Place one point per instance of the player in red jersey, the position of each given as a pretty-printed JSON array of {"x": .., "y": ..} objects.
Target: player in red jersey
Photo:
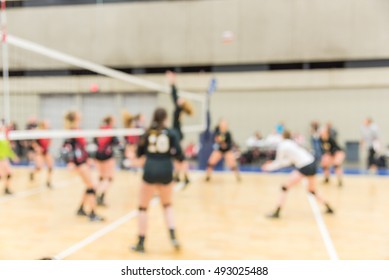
[
  {"x": 42, "y": 155},
  {"x": 77, "y": 156},
  {"x": 105, "y": 160}
]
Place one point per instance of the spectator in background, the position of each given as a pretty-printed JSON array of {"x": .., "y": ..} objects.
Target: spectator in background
[
  {"x": 280, "y": 128},
  {"x": 371, "y": 142},
  {"x": 315, "y": 141},
  {"x": 274, "y": 138},
  {"x": 252, "y": 140},
  {"x": 17, "y": 144},
  {"x": 32, "y": 123}
]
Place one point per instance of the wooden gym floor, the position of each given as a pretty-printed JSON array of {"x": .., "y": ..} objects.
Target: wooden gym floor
[{"x": 221, "y": 219}]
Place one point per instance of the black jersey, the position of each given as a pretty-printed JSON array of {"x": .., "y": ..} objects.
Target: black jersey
[
  {"x": 329, "y": 146},
  {"x": 177, "y": 113},
  {"x": 223, "y": 141},
  {"x": 74, "y": 150},
  {"x": 157, "y": 143},
  {"x": 159, "y": 147}
]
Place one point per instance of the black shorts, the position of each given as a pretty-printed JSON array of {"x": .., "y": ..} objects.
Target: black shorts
[
  {"x": 158, "y": 171},
  {"x": 224, "y": 151},
  {"x": 103, "y": 156},
  {"x": 79, "y": 162},
  {"x": 308, "y": 170},
  {"x": 181, "y": 158},
  {"x": 372, "y": 158}
]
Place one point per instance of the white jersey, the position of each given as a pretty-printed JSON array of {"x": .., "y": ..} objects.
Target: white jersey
[
  {"x": 370, "y": 135},
  {"x": 290, "y": 153}
]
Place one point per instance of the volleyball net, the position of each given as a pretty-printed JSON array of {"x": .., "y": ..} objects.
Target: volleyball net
[{"x": 46, "y": 83}]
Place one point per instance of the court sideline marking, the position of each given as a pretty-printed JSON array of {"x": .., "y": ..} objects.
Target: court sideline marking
[
  {"x": 323, "y": 228},
  {"x": 107, "y": 229}
]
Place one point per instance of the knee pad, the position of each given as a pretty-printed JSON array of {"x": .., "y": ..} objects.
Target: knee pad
[
  {"x": 336, "y": 166},
  {"x": 50, "y": 169},
  {"x": 284, "y": 189},
  {"x": 166, "y": 205},
  {"x": 210, "y": 165},
  {"x": 9, "y": 176},
  {"x": 101, "y": 178},
  {"x": 90, "y": 191},
  {"x": 110, "y": 179},
  {"x": 235, "y": 168},
  {"x": 312, "y": 192},
  {"x": 142, "y": 209}
]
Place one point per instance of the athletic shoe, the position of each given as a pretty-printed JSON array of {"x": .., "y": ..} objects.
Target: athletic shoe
[
  {"x": 99, "y": 200},
  {"x": 176, "y": 244},
  {"x": 31, "y": 176},
  {"x": 207, "y": 179},
  {"x": 340, "y": 183},
  {"x": 275, "y": 215},
  {"x": 95, "y": 218},
  {"x": 81, "y": 212},
  {"x": 326, "y": 181},
  {"x": 7, "y": 192},
  {"x": 186, "y": 183},
  {"x": 49, "y": 185},
  {"x": 139, "y": 248},
  {"x": 329, "y": 210}
]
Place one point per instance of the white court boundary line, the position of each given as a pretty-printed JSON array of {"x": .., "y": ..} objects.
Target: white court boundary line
[
  {"x": 323, "y": 228},
  {"x": 107, "y": 229},
  {"x": 34, "y": 191}
]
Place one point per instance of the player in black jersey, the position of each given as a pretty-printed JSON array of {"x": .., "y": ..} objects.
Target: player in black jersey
[
  {"x": 105, "y": 160},
  {"x": 77, "y": 156},
  {"x": 159, "y": 145},
  {"x": 180, "y": 106},
  {"x": 332, "y": 155},
  {"x": 222, "y": 149}
]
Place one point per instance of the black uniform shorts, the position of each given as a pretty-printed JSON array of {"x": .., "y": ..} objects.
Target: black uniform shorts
[
  {"x": 158, "y": 171},
  {"x": 308, "y": 170},
  {"x": 103, "y": 156}
]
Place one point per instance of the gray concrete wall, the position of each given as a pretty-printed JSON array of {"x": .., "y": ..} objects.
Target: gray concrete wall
[
  {"x": 249, "y": 101},
  {"x": 189, "y": 32}
]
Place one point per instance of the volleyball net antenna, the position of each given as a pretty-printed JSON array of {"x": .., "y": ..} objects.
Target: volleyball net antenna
[{"x": 93, "y": 87}]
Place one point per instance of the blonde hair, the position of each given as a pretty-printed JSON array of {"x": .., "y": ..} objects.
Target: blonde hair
[
  {"x": 129, "y": 119},
  {"x": 187, "y": 108},
  {"x": 43, "y": 125}
]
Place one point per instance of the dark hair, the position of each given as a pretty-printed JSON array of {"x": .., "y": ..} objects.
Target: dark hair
[
  {"x": 108, "y": 120},
  {"x": 315, "y": 126},
  {"x": 159, "y": 118}
]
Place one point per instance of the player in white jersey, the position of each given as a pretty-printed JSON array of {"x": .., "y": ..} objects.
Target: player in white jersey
[{"x": 289, "y": 153}]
